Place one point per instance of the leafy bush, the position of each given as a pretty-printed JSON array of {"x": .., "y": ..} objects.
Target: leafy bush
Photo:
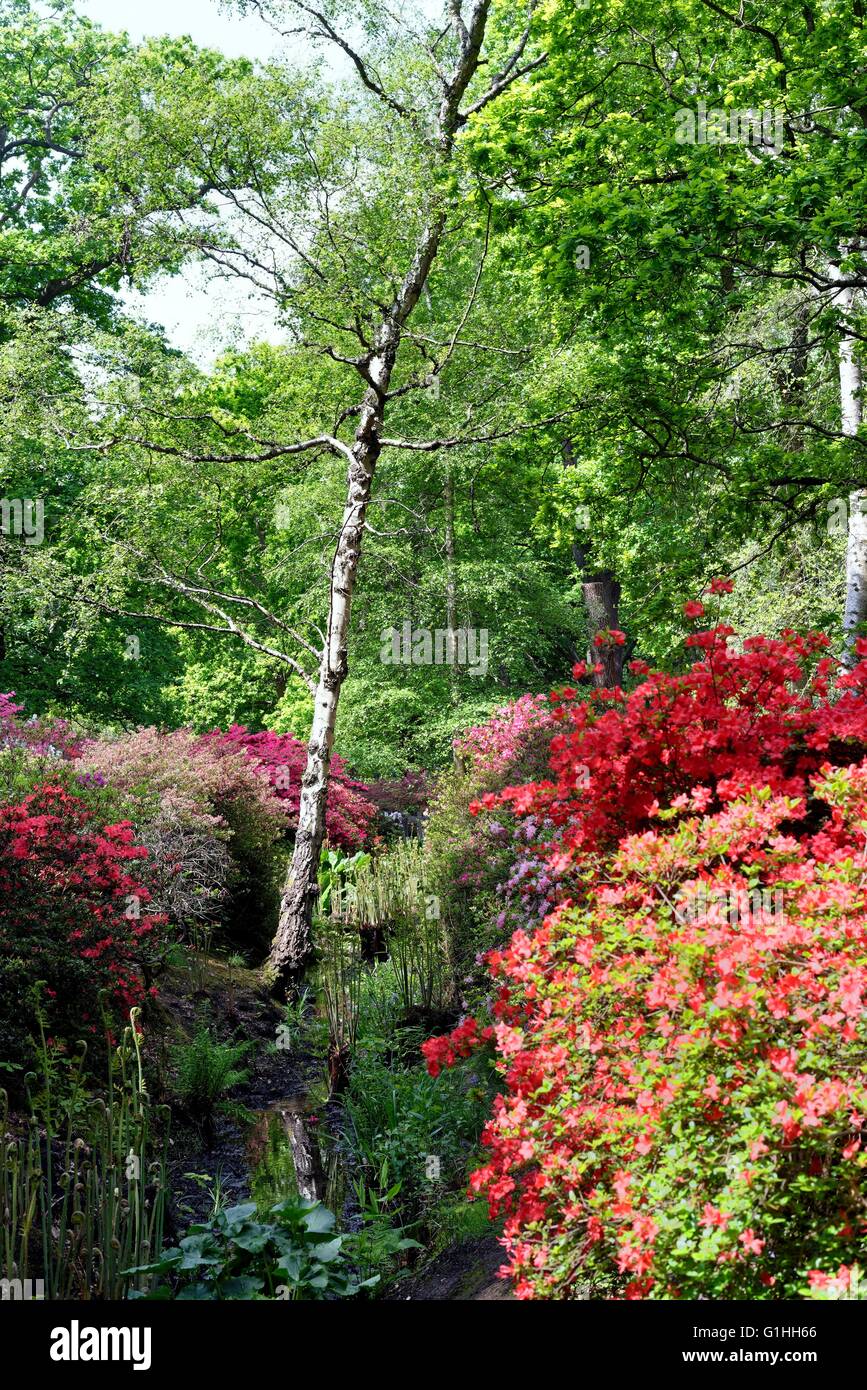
[
  {"x": 401, "y": 1118},
  {"x": 296, "y": 1255},
  {"x": 74, "y": 916},
  {"x": 47, "y": 738},
  {"x": 398, "y": 1117},
  {"x": 283, "y": 757},
  {"x": 206, "y": 1070},
  {"x": 209, "y": 816},
  {"x": 471, "y": 856},
  {"x": 682, "y": 1038}
]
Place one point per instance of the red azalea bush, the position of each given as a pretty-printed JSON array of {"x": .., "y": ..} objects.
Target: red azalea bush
[
  {"x": 350, "y": 813},
  {"x": 766, "y": 715},
  {"x": 74, "y": 915},
  {"x": 682, "y": 1039}
]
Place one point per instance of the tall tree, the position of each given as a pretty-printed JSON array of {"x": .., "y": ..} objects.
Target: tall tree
[
  {"x": 338, "y": 204},
  {"x": 107, "y": 149},
  {"x": 685, "y": 179},
  {"x": 430, "y": 122}
]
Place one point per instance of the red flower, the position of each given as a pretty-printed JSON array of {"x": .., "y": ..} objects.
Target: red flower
[{"x": 750, "y": 1241}]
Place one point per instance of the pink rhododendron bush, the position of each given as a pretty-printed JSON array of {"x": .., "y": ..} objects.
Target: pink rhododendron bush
[
  {"x": 209, "y": 818},
  {"x": 282, "y": 758},
  {"x": 682, "y": 1039},
  {"x": 483, "y": 865},
  {"x": 497, "y": 746}
]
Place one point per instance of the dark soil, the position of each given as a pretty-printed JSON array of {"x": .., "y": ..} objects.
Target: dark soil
[
  {"x": 234, "y": 1003},
  {"x": 463, "y": 1273}
]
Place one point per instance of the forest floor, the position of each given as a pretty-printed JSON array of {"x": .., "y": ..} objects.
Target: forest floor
[
  {"x": 464, "y": 1272},
  {"x": 221, "y": 1157},
  {"x": 234, "y": 1004}
]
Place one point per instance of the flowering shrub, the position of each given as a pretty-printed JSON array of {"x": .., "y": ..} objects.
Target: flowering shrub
[
  {"x": 473, "y": 857},
  {"x": 682, "y": 1038},
  {"x": 492, "y": 748},
  {"x": 208, "y": 815},
  {"x": 45, "y": 738},
  {"x": 766, "y": 715},
  {"x": 283, "y": 757},
  {"x": 75, "y": 915}
]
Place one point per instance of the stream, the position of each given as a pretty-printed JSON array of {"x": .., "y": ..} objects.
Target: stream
[
  {"x": 290, "y": 1150},
  {"x": 281, "y": 1142}
]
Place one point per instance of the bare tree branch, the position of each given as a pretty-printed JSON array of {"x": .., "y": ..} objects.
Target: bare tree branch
[{"x": 429, "y": 446}]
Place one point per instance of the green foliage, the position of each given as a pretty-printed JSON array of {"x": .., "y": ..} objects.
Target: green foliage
[
  {"x": 410, "y": 1141},
  {"x": 378, "y": 1242},
  {"x": 207, "y": 1070},
  {"x": 407, "y": 1132},
  {"x": 294, "y": 1255},
  {"x": 703, "y": 332},
  {"x": 337, "y": 872},
  {"x": 83, "y": 1189}
]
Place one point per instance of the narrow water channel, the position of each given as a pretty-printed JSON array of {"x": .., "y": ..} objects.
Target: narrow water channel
[{"x": 291, "y": 1153}]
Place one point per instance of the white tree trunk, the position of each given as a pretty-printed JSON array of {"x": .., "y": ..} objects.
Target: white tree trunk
[
  {"x": 451, "y": 578},
  {"x": 293, "y": 941},
  {"x": 855, "y": 609}
]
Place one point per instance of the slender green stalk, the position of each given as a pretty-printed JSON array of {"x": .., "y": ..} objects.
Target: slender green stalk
[{"x": 82, "y": 1178}]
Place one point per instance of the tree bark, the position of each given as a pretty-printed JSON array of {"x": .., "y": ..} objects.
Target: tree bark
[
  {"x": 601, "y": 599},
  {"x": 451, "y": 578},
  {"x": 855, "y": 609},
  {"x": 293, "y": 941},
  {"x": 601, "y": 593}
]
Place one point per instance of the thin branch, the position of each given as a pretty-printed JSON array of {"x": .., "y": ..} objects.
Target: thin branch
[
  {"x": 274, "y": 451},
  {"x": 429, "y": 446},
  {"x": 498, "y": 87}
]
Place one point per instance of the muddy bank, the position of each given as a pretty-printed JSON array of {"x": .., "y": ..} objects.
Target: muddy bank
[
  {"x": 465, "y": 1272},
  {"x": 226, "y": 1150}
]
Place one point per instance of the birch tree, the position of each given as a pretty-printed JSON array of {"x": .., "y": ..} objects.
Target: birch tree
[
  {"x": 356, "y": 203},
  {"x": 855, "y": 610},
  {"x": 460, "y": 45}
]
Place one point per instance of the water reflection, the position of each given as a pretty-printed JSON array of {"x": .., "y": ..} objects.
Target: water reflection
[{"x": 290, "y": 1155}]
